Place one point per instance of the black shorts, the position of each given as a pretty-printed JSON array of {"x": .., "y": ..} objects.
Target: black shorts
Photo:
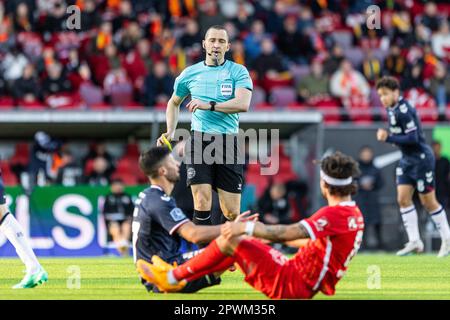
[
  {"x": 214, "y": 159},
  {"x": 417, "y": 171},
  {"x": 192, "y": 286}
]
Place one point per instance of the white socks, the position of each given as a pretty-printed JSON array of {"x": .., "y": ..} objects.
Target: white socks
[
  {"x": 410, "y": 221},
  {"x": 14, "y": 233},
  {"x": 171, "y": 278},
  {"x": 439, "y": 218}
]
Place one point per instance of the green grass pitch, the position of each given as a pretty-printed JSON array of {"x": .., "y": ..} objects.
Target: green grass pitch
[{"x": 376, "y": 276}]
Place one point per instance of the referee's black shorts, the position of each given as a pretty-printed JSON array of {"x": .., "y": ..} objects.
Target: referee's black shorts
[{"x": 214, "y": 159}]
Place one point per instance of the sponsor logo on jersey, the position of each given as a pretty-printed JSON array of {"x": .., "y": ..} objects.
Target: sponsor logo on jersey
[
  {"x": 190, "y": 173},
  {"x": 395, "y": 129},
  {"x": 411, "y": 124},
  {"x": 393, "y": 120},
  {"x": 399, "y": 171},
  {"x": 429, "y": 176},
  {"x": 177, "y": 214},
  {"x": 420, "y": 185},
  {"x": 403, "y": 108},
  {"x": 226, "y": 89},
  {"x": 165, "y": 198}
]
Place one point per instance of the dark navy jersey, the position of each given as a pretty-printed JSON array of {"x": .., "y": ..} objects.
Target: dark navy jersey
[
  {"x": 156, "y": 218},
  {"x": 406, "y": 130}
]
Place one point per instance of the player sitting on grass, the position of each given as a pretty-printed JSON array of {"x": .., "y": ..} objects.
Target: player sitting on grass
[
  {"x": 415, "y": 169},
  {"x": 335, "y": 234},
  {"x": 158, "y": 224}
]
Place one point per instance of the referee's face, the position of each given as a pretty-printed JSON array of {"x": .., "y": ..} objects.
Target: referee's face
[
  {"x": 172, "y": 169},
  {"x": 216, "y": 43}
]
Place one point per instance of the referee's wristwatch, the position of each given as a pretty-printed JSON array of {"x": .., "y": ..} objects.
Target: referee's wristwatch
[{"x": 213, "y": 105}]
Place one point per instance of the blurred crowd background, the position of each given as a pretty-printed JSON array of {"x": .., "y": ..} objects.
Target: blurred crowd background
[{"x": 302, "y": 54}]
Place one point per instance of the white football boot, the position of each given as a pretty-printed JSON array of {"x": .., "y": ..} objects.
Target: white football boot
[
  {"x": 411, "y": 247},
  {"x": 445, "y": 248}
]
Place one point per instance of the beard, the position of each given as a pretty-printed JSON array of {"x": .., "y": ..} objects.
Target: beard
[{"x": 173, "y": 178}]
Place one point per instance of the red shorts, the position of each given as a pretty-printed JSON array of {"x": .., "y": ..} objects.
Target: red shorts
[{"x": 269, "y": 271}]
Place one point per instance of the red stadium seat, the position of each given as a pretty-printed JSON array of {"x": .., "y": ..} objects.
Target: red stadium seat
[
  {"x": 264, "y": 107},
  {"x": 35, "y": 105},
  {"x": 7, "y": 103},
  {"x": 281, "y": 96},
  {"x": 424, "y": 103},
  {"x": 8, "y": 177},
  {"x": 21, "y": 154}
]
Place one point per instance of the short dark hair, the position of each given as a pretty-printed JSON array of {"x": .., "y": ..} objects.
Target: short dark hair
[
  {"x": 150, "y": 161},
  {"x": 218, "y": 27},
  {"x": 388, "y": 82},
  {"x": 340, "y": 166}
]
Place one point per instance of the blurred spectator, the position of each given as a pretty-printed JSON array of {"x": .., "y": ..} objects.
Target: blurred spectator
[
  {"x": 129, "y": 37},
  {"x": 440, "y": 86},
  {"x": 403, "y": 29},
  {"x": 138, "y": 62},
  {"x": 346, "y": 83},
  {"x": 243, "y": 19},
  {"x": 55, "y": 21},
  {"x": 158, "y": 85},
  {"x": 430, "y": 18},
  {"x": 26, "y": 88},
  {"x": 13, "y": 65},
  {"x": 104, "y": 36},
  {"x": 90, "y": 17},
  {"x": 269, "y": 66},
  {"x": 276, "y": 17},
  {"x": 191, "y": 39},
  {"x": 314, "y": 85},
  {"x": 395, "y": 63},
  {"x": 442, "y": 175},
  {"x": 41, "y": 160},
  {"x": 56, "y": 81},
  {"x": 210, "y": 15},
  {"x": 302, "y": 51},
  {"x": 440, "y": 41},
  {"x": 99, "y": 150},
  {"x": 23, "y": 18},
  {"x": 238, "y": 52},
  {"x": 368, "y": 199},
  {"x": 371, "y": 67},
  {"x": 413, "y": 78},
  {"x": 69, "y": 174},
  {"x": 124, "y": 16},
  {"x": 118, "y": 214},
  {"x": 99, "y": 175},
  {"x": 252, "y": 41},
  {"x": 274, "y": 205},
  {"x": 333, "y": 61}
]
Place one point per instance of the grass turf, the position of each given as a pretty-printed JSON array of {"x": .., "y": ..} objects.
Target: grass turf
[{"x": 413, "y": 277}]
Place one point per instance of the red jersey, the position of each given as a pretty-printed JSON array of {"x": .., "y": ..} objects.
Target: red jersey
[{"x": 335, "y": 236}]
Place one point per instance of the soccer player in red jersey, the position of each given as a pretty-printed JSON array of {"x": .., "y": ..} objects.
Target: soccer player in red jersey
[{"x": 334, "y": 232}]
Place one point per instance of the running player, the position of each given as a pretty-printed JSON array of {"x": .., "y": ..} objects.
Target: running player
[
  {"x": 335, "y": 234},
  {"x": 35, "y": 273},
  {"x": 220, "y": 90},
  {"x": 416, "y": 168}
]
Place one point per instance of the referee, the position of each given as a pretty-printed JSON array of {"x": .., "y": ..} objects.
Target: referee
[{"x": 220, "y": 89}]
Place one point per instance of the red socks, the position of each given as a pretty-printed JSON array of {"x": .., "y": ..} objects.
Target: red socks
[{"x": 210, "y": 260}]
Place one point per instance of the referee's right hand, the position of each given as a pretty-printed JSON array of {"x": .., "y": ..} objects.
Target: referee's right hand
[{"x": 160, "y": 141}]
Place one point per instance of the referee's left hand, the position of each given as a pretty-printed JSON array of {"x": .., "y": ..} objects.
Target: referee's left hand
[{"x": 195, "y": 104}]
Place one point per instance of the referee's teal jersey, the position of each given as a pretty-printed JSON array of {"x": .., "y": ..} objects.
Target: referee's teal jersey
[{"x": 213, "y": 83}]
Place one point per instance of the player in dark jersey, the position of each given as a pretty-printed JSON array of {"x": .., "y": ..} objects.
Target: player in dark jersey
[
  {"x": 416, "y": 168},
  {"x": 334, "y": 236},
  {"x": 158, "y": 224}
]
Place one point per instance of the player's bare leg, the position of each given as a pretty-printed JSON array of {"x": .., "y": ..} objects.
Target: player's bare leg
[
  {"x": 439, "y": 217},
  {"x": 9, "y": 226},
  {"x": 202, "y": 195},
  {"x": 410, "y": 220},
  {"x": 230, "y": 203}
]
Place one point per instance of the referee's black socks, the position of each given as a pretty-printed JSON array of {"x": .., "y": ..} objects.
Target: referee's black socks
[{"x": 202, "y": 218}]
